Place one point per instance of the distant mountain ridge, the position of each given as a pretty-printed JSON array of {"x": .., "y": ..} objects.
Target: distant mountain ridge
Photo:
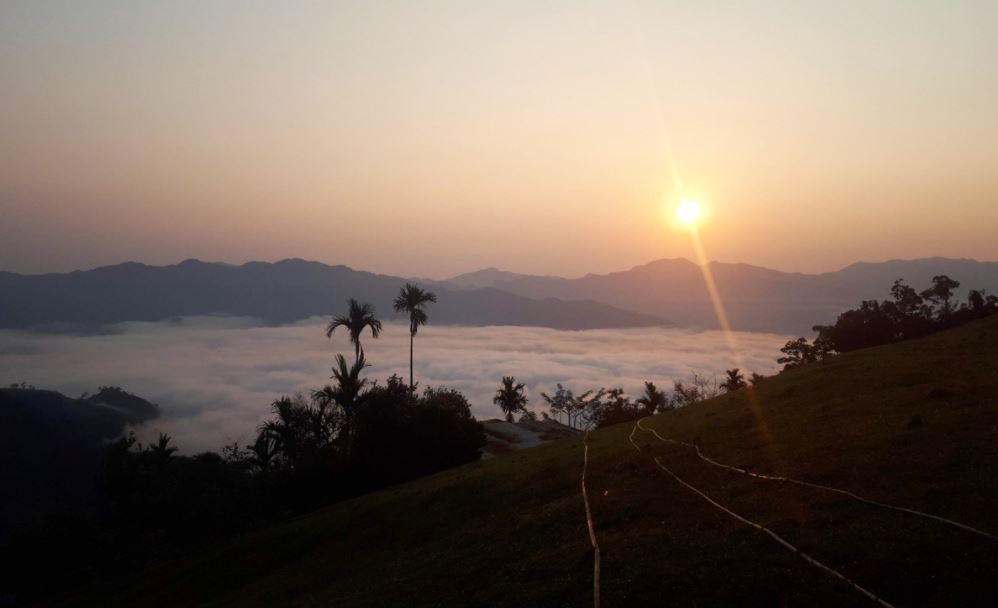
[
  {"x": 755, "y": 298},
  {"x": 280, "y": 292}
]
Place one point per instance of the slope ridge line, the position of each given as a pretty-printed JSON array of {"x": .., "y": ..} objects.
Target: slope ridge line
[
  {"x": 776, "y": 537},
  {"x": 818, "y": 486}
]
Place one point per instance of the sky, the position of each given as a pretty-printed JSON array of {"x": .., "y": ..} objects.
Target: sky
[
  {"x": 178, "y": 365},
  {"x": 433, "y": 138}
]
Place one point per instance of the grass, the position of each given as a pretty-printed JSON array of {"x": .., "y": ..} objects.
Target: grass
[{"x": 913, "y": 424}]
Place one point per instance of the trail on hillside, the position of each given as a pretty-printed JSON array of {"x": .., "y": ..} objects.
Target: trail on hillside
[
  {"x": 776, "y": 537},
  {"x": 817, "y": 486},
  {"x": 589, "y": 522}
]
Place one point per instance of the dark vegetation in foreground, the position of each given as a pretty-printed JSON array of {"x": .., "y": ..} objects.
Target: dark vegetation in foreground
[
  {"x": 149, "y": 503},
  {"x": 912, "y": 424},
  {"x": 355, "y": 436},
  {"x": 53, "y": 444}
]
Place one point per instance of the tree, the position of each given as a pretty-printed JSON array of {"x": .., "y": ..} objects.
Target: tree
[
  {"x": 976, "y": 300},
  {"x": 510, "y": 397},
  {"x": 290, "y": 429},
  {"x": 698, "y": 388},
  {"x": 869, "y": 325},
  {"x": 796, "y": 353},
  {"x": 559, "y": 403},
  {"x": 412, "y": 299},
  {"x": 941, "y": 294},
  {"x": 653, "y": 400},
  {"x": 576, "y": 408},
  {"x": 358, "y": 318},
  {"x": 161, "y": 451},
  {"x": 261, "y": 454},
  {"x": 734, "y": 381},
  {"x": 348, "y": 387},
  {"x": 616, "y": 408},
  {"x": 755, "y": 379}
]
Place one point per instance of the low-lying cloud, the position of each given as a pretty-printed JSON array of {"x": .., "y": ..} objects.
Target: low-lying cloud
[{"x": 215, "y": 377}]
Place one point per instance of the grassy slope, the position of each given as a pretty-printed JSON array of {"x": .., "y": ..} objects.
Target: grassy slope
[{"x": 511, "y": 532}]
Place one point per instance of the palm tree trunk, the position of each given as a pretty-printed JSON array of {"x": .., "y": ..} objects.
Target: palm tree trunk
[{"x": 412, "y": 338}]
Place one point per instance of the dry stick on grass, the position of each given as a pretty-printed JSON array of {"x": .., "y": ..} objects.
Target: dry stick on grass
[
  {"x": 817, "y": 486},
  {"x": 776, "y": 537}
]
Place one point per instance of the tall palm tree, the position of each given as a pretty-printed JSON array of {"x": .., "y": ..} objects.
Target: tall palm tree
[
  {"x": 348, "y": 387},
  {"x": 510, "y": 397},
  {"x": 412, "y": 299},
  {"x": 359, "y": 317}
]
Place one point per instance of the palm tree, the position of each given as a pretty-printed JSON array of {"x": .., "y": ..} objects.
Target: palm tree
[
  {"x": 734, "y": 380},
  {"x": 510, "y": 397},
  {"x": 161, "y": 452},
  {"x": 411, "y": 299},
  {"x": 653, "y": 400},
  {"x": 263, "y": 451},
  {"x": 359, "y": 317},
  {"x": 348, "y": 387}
]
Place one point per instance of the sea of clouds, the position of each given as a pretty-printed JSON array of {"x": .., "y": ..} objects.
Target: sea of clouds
[{"x": 215, "y": 377}]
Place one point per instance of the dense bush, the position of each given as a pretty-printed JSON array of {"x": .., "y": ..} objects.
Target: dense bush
[{"x": 908, "y": 314}]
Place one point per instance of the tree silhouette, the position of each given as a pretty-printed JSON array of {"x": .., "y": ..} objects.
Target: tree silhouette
[
  {"x": 577, "y": 408},
  {"x": 412, "y": 299},
  {"x": 796, "y": 353},
  {"x": 653, "y": 400},
  {"x": 941, "y": 294},
  {"x": 348, "y": 387},
  {"x": 162, "y": 451},
  {"x": 359, "y": 317},
  {"x": 510, "y": 397},
  {"x": 734, "y": 381},
  {"x": 262, "y": 453}
]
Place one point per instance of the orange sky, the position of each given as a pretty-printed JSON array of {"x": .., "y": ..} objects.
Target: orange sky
[{"x": 434, "y": 138}]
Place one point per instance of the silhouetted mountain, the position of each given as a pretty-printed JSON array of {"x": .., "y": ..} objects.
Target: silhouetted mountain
[
  {"x": 754, "y": 298},
  {"x": 281, "y": 292},
  {"x": 54, "y": 444},
  {"x": 487, "y": 277}
]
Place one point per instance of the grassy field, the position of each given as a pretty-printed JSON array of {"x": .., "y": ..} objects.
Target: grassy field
[{"x": 913, "y": 424}]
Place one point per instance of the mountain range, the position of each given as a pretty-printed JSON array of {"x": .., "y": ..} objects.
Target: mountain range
[
  {"x": 754, "y": 298},
  {"x": 276, "y": 293},
  {"x": 662, "y": 292}
]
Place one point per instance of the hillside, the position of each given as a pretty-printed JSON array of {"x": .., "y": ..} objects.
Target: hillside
[
  {"x": 505, "y": 437},
  {"x": 912, "y": 424}
]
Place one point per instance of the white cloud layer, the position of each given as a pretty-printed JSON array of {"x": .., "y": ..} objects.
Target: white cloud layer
[{"x": 215, "y": 377}]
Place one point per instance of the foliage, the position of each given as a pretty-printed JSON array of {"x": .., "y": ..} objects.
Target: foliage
[
  {"x": 908, "y": 314},
  {"x": 509, "y": 397},
  {"x": 412, "y": 300},
  {"x": 614, "y": 409},
  {"x": 799, "y": 351},
  {"x": 733, "y": 381},
  {"x": 358, "y": 318},
  {"x": 653, "y": 400},
  {"x": 577, "y": 409},
  {"x": 698, "y": 388}
]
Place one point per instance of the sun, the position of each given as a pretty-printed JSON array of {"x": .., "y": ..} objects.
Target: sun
[{"x": 688, "y": 212}]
